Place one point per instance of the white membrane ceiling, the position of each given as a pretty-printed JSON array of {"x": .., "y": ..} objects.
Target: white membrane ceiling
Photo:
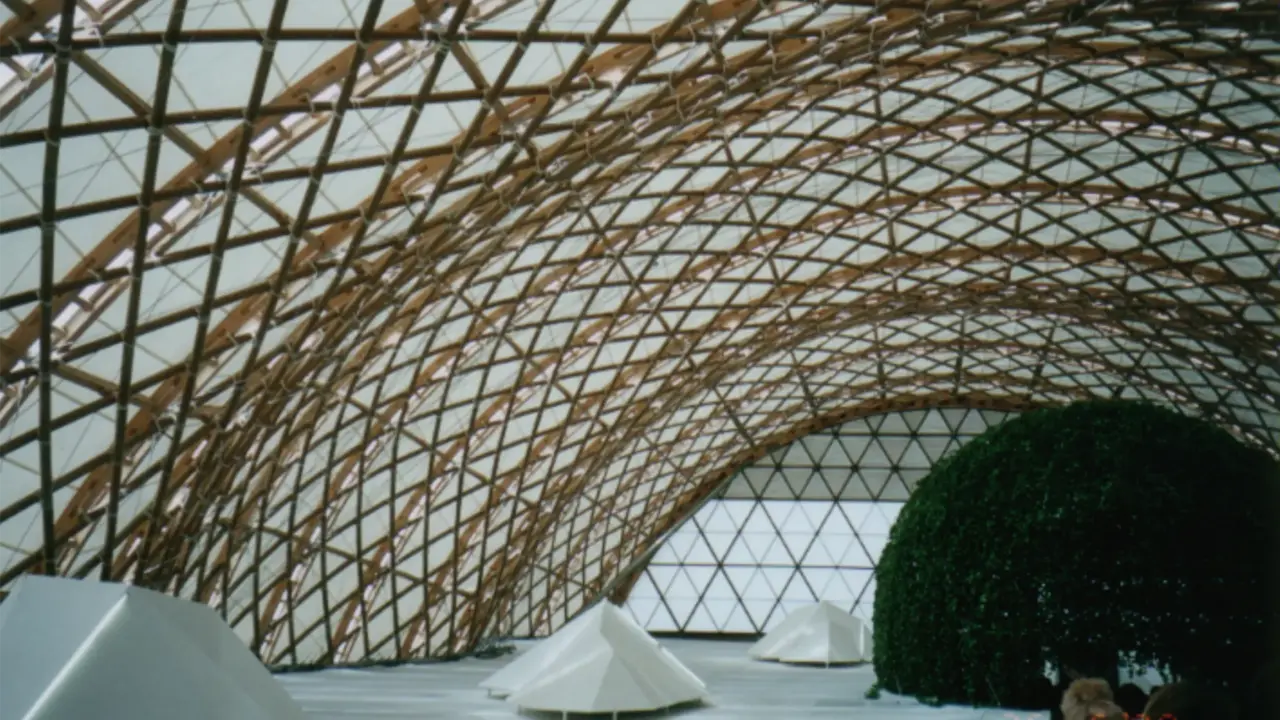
[{"x": 386, "y": 325}]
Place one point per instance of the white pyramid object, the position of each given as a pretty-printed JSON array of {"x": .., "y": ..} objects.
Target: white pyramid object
[
  {"x": 819, "y": 634},
  {"x": 602, "y": 662},
  {"x": 84, "y": 649},
  {"x": 531, "y": 662}
]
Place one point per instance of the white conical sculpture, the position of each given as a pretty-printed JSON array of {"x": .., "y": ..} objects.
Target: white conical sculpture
[
  {"x": 602, "y": 662},
  {"x": 84, "y": 649},
  {"x": 821, "y": 633},
  {"x": 530, "y": 663}
]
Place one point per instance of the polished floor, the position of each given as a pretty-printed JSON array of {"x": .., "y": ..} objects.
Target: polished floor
[{"x": 741, "y": 689}]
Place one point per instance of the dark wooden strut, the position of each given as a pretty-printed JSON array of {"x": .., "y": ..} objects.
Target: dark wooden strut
[
  {"x": 169, "y": 51},
  {"x": 48, "y": 228},
  {"x": 142, "y": 571}
]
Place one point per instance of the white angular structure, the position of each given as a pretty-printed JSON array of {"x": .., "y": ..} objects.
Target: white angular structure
[
  {"x": 84, "y": 649},
  {"x": 816, "y": 634},
  {"x": 528, "y": 664},
  {"x": 602, "y": 662}
]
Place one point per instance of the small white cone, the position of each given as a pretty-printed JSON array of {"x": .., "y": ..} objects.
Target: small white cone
[
  {"x": 608, "y": 664},
  {"x": 820, "y": 634}
]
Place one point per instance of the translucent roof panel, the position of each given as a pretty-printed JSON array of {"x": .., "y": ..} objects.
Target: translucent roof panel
[{"x": 380, "y": 325}]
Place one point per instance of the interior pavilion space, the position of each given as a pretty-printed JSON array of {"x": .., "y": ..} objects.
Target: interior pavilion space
[{"x": 392, "y": 332}]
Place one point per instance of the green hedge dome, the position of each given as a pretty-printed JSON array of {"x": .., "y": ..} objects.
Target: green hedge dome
[{"x": 1078, "y": 535}]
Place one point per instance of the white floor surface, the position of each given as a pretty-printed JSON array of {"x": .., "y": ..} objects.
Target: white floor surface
[{"x": 741, "y": 689}]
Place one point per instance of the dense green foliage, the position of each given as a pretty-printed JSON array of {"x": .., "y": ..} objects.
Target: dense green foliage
[{"x": 1078, "y": 535}]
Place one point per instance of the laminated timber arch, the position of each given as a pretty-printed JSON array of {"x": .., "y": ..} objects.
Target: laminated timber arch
[{"x": 430, "y": 321}]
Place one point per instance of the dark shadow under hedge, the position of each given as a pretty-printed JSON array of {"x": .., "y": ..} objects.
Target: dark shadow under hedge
[{"x": 1073, "y": 535}]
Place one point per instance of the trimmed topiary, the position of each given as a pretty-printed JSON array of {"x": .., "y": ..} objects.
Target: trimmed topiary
[{"x": 1077, "y": 536}]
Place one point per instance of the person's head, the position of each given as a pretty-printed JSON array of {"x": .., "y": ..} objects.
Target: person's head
[{"x": 1090, "y": 699}]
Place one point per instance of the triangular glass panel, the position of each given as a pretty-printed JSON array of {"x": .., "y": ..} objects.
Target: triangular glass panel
[
  {"x": 676, "y": 547},
  {"x": 869, "y": 590},
  {"x": 855, "y": 556},
  {"x": 816, "y": 514},
  {"x": 874, "y": 545},
  {"x": 759, "y": 521},
  {"x": 738, "y": 510},
  {"x": 877, "y": 520},
  {"x": 795, "y": 520},
  {"x": 786, "y": 606},
  {"x": 720, "y": 544},
  {"x": 758, "y": 477},
  {"x": 739, "y": 487},
  {"x": 854, "y": 427},
  {"x": 935, "y": 447},
  {"x": 777, "y": 554},
  {"x": 681, "y": 586},
  {"x": 953, "y": 417},
  {"x": 914, "y": 419},
  {"x": 777, "y": 578},
  {"x": 836, "y": 456},
  {"x": 700, "y": 552},
  {"x": 819, "y": 555},
  {"x": 720, "y": 611},
  {"x": 777, "y": 511},
  {"x": 642, "y": 609},
  {"x": 644, "y": 588},
  {"x": 855, "y": 512},
  {"x": 836, "y": 480},
  {"x": 759, "y": 587},
  {"x": 681, "y": 608},
  {"x": 819, "y": 579},
  {"x": 914, "y": 456},
  {"x": 817, "y": 446},
  {"x": 700, "y": 620},
  {"x": 661, "y": 621},
  {"x": 856, "y": 580},
  {"x": 875, "y": 479},
  {"x": 759, "y": 611},
  {"x": 864, "y": 610},
  {"x": 719, "y": 519},
  {"x": 895, "y": 424},
  {"x": 778, "y": 489},
  {"x": 974, "y": 424},
  {"x": 739, "y": 554},
  {"x": 895, "y": 447},
  {"x": 889, "y": 512},
  {"x": 739, "y": 621},
  {"x": 757, "y": 544},
  {"x": 895, "y": 489},
  {"x": 815, "y": 488},
  {"x": 720, "y": 589},
  {"x": 797, "y": 543},
  {"x": 741, "y": 578},
  {"x": 795, "y": 456},
  {"x": 994, "y": 417},
  {"x": 873, "y": 456},
  {"x": 855, "y": 447},
  {"x": 934, "y": 424},
  {"x": 797, "y": 478},
  {"x": 700, "y": 576},
  {"x": 664, "y": 577},
  {"x": 856, "y": 490},
  {"x": 799, "y": 590}
]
